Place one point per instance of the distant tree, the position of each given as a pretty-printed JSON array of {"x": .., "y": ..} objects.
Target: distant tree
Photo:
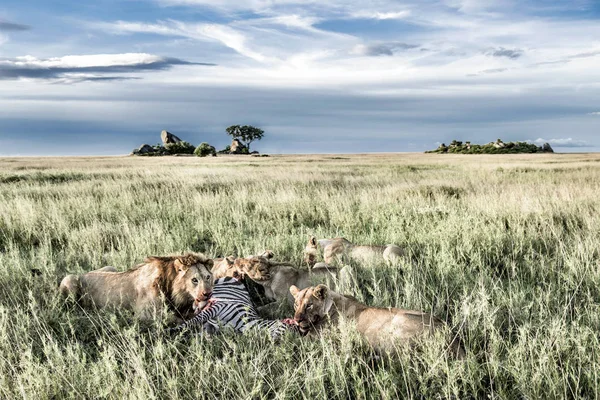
[{"x": 245, "y": 133}]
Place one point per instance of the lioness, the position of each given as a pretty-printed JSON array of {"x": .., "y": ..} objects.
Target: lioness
[
  {"x": 382, "y": 327},
  {"x": 334, "y": 250},
  {"x": 281, "y": 276},
  {"x": 240, "y": 267},
  {"x": 184, "y": 282}
]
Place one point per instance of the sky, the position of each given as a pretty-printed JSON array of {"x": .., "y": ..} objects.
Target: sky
[{"x": 103, "y": 77}]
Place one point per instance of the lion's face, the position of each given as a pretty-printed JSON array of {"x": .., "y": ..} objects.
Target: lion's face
[
  {"x": 226, "y": 268},
  {"x": 193, "y": 282},
  {"x": 311, "y": 306},
  {"x": 256, "y": 268},
  {"x": 310, "y": 252}
]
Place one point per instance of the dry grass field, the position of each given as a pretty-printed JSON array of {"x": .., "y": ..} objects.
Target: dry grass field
[{"x": 506, "y": 249}]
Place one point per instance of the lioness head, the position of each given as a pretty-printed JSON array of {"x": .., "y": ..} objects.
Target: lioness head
[
  {"x": 310, "y": 252},
  {"x": 256, "y": 267},
  {"x": 225, "y": 267},
  {"x": 187, "y": 280},
  {"x": 311, "y": 306}
]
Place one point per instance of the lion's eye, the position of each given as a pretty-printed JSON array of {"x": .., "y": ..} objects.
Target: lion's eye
[{"x": 195, "y": 281}]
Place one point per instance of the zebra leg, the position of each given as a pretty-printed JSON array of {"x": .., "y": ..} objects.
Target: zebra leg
[{"x": 211, "y": 328}]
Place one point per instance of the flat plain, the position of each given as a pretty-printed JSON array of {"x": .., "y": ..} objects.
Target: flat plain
[{"x": 506, "y": 249}]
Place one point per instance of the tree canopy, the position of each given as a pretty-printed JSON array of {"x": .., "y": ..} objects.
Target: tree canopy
[{"x": 245, "y": 133}]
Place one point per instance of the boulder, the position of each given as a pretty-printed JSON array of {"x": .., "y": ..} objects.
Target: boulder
[
  {"x": 143, "y": 150},
  {"x": 168, "y": 138},
  {"x": 547, "y": 148},
  {"x": 237, "y": 147}
]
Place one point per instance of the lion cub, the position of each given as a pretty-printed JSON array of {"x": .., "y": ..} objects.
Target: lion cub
[{"x": 382, "y": 327}]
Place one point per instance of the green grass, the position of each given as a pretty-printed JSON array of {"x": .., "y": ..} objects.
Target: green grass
[{"x": 505, "y": 249}]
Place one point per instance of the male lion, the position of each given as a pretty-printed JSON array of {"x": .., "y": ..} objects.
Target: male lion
[
  {"x": 183, "y": 282},
  {"x": 382, "y": 327},
  {"x": 335, "y": 250}
]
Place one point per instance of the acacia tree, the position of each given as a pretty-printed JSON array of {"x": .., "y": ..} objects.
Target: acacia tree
[{"x": 245, "y": 133}]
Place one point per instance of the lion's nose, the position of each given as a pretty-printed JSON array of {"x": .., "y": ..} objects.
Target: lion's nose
[{"x": 203, "y": 296}]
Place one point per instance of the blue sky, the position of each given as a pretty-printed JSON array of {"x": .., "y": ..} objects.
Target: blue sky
[{"x": 103, "y": 77}]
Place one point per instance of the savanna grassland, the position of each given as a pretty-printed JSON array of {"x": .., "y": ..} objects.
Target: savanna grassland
[{"x": 506, "y": 249}]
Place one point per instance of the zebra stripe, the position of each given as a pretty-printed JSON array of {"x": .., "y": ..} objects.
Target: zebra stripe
[{"x": 230, "y": 305}]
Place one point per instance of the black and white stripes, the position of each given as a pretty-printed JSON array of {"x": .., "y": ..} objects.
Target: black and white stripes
[{"x": 230, "y": 305}]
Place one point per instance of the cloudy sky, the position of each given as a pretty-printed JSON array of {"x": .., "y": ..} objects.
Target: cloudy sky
[{"x": 104, "y": 76}]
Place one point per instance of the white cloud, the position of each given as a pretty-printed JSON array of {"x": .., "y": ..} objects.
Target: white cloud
[
  {"x": 371, "y": 14},
  {"x": 79, "y": 68},
  {"x": 594, "y": 113},
  {"x": 568, "y": 142},
  {"x": 293, "y": 21},
  {"x": 230, "y": 38},
  {"x": 223, "y": 34},
  {"x": 84, "y": 61},
  {"x": 382, "y": 49},
  {"x": 260, "y": 39},
  {"x": 474, "y": 6}
]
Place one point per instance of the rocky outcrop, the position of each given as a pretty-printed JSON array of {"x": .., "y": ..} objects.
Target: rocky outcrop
[
  {"x": 143, "y": 150},
  {"x": 169, "y": 138}
]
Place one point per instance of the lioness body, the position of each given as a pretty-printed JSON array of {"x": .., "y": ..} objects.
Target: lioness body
[
  {"x": 254, "y": 266},
  {"x": 381, "y": 327},
  {"x": 335, "y": 250},
  {"x": 184, "y": 282},
  {"x": 281, "y": 276}
]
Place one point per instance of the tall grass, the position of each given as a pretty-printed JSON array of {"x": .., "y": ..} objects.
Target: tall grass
[{"x": 506, "y": 249}]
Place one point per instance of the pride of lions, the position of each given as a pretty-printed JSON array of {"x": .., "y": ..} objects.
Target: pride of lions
[{"x": 183, "y": 284}]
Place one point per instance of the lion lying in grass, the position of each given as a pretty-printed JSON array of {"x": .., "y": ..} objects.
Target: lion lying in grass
[
  {"x": 337, "y": 249},
  {"x": 184, "y": 283},
  {"x": 382, "y": 327}
]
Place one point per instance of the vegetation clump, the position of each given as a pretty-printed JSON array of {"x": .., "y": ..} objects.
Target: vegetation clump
[
  {"x": 226, "y": 150},
  {"x": 179, "y": 148},
  {"x": 497, "y": 147},
  {"x": 205, "y": 149},
  {"x": 170, "y": 149}
]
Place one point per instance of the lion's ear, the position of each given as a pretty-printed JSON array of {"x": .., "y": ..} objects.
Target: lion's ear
[
  {"x": 320, "y": 292},
  {"x": 268, "y": 254},
  {"x": 294, "y": 290},
  {"x": 180, "y": 266},
  {"x": 230, "y": 260},
  {"x": 210, "y": 263},
  {"x": 312, "y": 241}
]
